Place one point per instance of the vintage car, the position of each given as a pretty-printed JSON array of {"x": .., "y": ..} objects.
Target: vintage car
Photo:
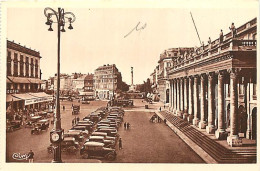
[
  {"x": 87, "y": 126},
  {"x": 32, "y": 121},
  {"x": 97, "y": 150},
  {"x": 75, "y": 134},
  {"x": 40, "y": 126},
  {"x": 117, "y": 115},
  {"x": 44, "y": 114},
  {"x": 81, "y": 128},
  {"x": 68, "y": 145},
  {"x": 103, "y": 134},
  {"x": 110, "y": 131},
  {"x": 13, "y": 125},
  {"x": 108, "y": 143},
  {"x": 94, "y": 117}
]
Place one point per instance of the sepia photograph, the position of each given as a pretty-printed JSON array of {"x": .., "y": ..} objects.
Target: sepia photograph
[{"x": 130, "y": 84}]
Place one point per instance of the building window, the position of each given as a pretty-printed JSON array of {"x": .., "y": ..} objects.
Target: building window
[
  {"x": 21, "y": 66},
  {"x": 36, "y": 69},
  {"x": 32, "y": 66},
  {"x": 27, "y": 67},
  {"x": 15, "y": 65},
  {"x": 8, "y": 67}
]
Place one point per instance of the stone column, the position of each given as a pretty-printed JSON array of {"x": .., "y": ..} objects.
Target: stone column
[
  {"x": 173, "y": 100},
  {"x": 246, "y": 97},
  {"x": 190, "y": 112},
  {"x": 185, "y": 98},
  {"x": 175, "y": 96},
  {"x": 181, "y": 97},
  {"x": 233, "y": 139},
  {"x": 170, "y": 96},
  {"x": 221, "y": 133},
  {"x": 202, "y": 123},
  {"x": 12, "y": 67},
  {"x": 211, "y": 105},
  {"x": 196, "y": 100},
  {"x": 178, "y": 97}
]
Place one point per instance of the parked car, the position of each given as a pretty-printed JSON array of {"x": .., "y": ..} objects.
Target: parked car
[
  {"x": 40, "y": 126},
  {"x": 68, "y": 145},
  {"x": 75, "y": 109},
  {"x": 108, "y": 143},
  {"x": 82, "y": 128},
  {"x": 97, "y": 150},
  {"x": 103, "y": 134},
  {"x": 32, "y": 120},
  {"x": 15, "y": 124},
  {"x": 110, "y": 131},
  {"x": 77, "y": 135}
]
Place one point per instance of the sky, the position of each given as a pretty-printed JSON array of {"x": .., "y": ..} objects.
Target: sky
[{"x": 98, "y": 36}]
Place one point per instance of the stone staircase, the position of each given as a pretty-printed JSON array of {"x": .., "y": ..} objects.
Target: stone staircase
[{"x": 220, "y": 153}]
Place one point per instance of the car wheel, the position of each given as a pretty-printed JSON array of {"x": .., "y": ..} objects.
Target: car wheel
[
  {"x": 85, "y": 155},
  {"x": 110, "y": 156}
]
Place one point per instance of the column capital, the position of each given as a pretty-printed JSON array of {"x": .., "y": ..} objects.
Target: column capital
[{"x": 234, "y": 72}]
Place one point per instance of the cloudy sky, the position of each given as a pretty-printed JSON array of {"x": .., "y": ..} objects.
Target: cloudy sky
[{"x": 99, "y": 34}]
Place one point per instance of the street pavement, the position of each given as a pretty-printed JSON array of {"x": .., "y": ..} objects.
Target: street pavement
[{"x": 144, "y": 142}]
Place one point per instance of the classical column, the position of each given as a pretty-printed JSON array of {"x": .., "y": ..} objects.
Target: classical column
[
  {"x": 221, "y": 133},
  {"x": 246, "y": 100},
  {"x": 196, "y": 101},
  {"x": 233, "y": 137},
  {"x": 175, "y": 96},
  {"x": 181, "y": 97},
  {"x": 190, "y": 112},
  {"x": 211, "y": 105},
  {"x": 170, "y": 95},
  {"x": 202, "y": 123},
  {"x": 178, "y": 97},
  {"x": 173, "y": 100},
  {"x": 185, "y": 98}
]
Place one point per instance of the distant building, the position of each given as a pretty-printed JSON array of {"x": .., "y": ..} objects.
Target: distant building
[
  {"x": 23, "y": 83},
  {"x": 107, "y": 79}
]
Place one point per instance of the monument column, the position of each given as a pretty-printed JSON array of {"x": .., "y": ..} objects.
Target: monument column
[
  {"x": 190, "y": 112},
  {"x": 178, "y": 97},
  {"x": 196, "y": 101},
  {"x": 211, "y": 104},
  {"x": 202, "y": 123},
  {"x": 181, "y": 97}
]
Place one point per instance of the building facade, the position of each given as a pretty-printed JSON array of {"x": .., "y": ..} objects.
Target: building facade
[
  {"x": 214, "y": 86},
  {"x": 107, "y": 81},
  {"x": 23, "y": 83}
]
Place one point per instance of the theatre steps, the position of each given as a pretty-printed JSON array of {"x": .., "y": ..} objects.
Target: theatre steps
[{"x": 220, "y": 153}]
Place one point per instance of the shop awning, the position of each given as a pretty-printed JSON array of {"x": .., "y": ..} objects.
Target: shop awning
[
  {"x": 24, "y": 96},
  {"x": 35, "y": 80},
  {"x": 10, "y": 98},
  {"x": 18, "y": 79}
]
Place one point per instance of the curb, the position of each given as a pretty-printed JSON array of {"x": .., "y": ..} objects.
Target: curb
[{"x": 197, "y": 149}]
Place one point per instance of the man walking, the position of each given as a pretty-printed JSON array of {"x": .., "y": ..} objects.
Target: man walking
[
  {"x": 120, "y": 144},
  {"x": 125, "y": 125},
  {"x": 128, "y": 125},
  {"x": 30, "y": 156}
]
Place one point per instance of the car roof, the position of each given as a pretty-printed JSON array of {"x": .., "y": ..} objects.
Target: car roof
[
  {"x": 72, "y": 133},
  {"x": 35, "y": 117},
  {"x": 99, "y": 133},
  {"x": 44, "y": 120},
  {"x": 96, "y": 137},
  {"x": 91, "y": 143}
]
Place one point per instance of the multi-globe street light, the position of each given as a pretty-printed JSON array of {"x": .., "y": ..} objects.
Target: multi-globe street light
[{"x": 56, "y": 135}]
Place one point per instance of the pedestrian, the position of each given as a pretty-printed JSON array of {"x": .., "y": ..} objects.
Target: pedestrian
[
  {"x": 160, "y": 109},
  {"x": 72, "y": 122},
  {"x": 125, "y": 125},
  {"x": 165, "y": 121},
  {"x": 30, "y": 156},
  {"x": 164, "y": 106},
  {"x": 128, "y": 125},
  {"x": 63, "y": 108},
  {"x": 77, "y": 119},
  {"x": 120, "y": 144}
]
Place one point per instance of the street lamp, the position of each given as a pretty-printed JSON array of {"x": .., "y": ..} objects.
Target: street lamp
[{"x": 56, "y": 135}]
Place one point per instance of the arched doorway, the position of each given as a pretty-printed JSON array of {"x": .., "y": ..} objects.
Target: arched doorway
[
  {"x": 167, "y": 96},
  {"x": 254, "y": 122},
  {"x": 242, "y": 120}
]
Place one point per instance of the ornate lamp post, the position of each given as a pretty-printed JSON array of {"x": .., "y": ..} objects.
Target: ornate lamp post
[{"x": 56, "y": 135}]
